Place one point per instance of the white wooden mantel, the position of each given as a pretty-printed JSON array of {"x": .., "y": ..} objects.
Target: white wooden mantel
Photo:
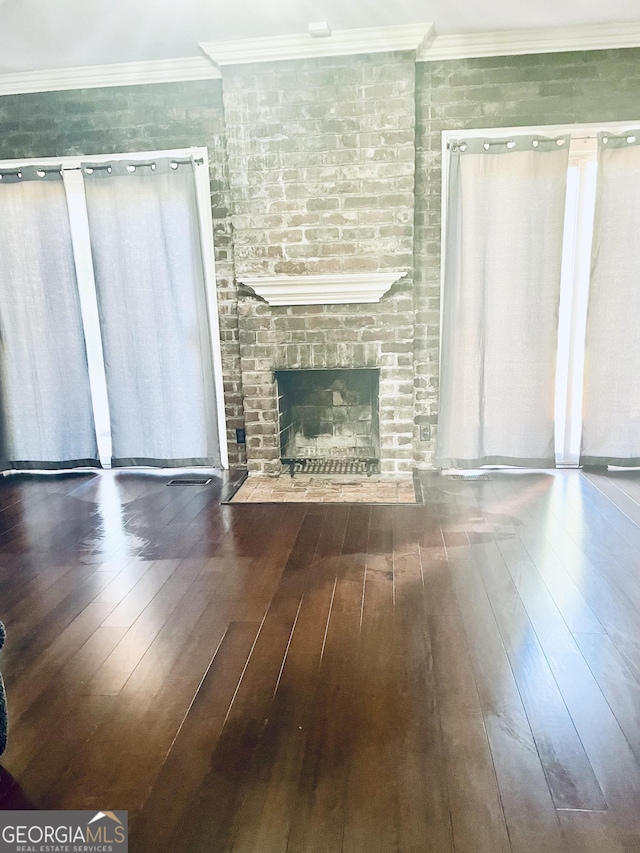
[{"x": 335, "y": 289}]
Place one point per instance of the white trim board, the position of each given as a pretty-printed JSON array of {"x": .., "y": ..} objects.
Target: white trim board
[
  {"x": 103, "y": 76},
  {"x": 203, "y": 205},
  {"x": 421, "y": 37},
  {"x": 334, "y": 289},
  {"x": 543, "y": 40},
  {"x": 303, "y": 46}
]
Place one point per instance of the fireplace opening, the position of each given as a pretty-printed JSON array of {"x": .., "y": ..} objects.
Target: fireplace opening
[{"x": 329, "y": 420}]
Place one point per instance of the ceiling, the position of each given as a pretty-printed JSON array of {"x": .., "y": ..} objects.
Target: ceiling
[{"x": 38, "y": 35}]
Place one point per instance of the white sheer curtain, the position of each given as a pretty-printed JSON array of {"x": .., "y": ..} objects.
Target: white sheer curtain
[
  {"x": 47, "y": 419},
  {"x": 611, "y": 407},
  {"x": 145, "y": 242},
  {"x": 505, "y": 219}
]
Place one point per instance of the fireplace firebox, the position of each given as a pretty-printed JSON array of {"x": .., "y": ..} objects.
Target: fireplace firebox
[{"x": 328, "y": 420}]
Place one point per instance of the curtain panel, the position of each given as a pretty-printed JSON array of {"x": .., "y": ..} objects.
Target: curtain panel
[
  {"x": 503, "y": 255},
  {"x": 145, "y": 242},
  {"x": 611, "y": 402},
  {"x": 45, "y": 403}
]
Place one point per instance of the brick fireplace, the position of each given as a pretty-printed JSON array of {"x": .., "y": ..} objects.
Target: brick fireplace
[
  {"x": 321, "y": 159},
  {"x": 331, "y": 340},
  {"x": 328, "y": 420}
]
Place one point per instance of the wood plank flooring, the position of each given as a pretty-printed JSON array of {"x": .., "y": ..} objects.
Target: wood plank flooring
[{"x": 461, "y": 676}]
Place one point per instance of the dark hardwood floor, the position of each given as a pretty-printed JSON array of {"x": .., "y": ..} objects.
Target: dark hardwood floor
[{"x": 458, "y": 676}]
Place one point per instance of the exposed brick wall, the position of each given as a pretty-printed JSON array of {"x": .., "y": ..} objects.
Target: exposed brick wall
[
  {"x": 504, "y": 91},
  {"x": 321, "y": 164},
  {"x": 320, "y": 178},
  {"x": 143, "y": 118}
]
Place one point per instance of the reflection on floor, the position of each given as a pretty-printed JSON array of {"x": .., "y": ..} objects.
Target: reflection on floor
[{"x": 461, "y": 676}]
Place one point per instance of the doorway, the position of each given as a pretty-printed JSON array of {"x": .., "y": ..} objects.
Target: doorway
[
  {"x": 575, "y": 270},
  {"x": 140, "y": 266}
]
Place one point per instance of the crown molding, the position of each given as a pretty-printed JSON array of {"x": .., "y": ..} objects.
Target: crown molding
[
  {"x": 101, "y": 76},
  {"x": 337, "y": 289},
  {"x": 420, "y": 37},
  {"x": 517, "y": 42},
  {"x": 303, "y": 46}
]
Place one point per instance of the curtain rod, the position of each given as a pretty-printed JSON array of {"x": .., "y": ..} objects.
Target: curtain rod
[
  {"x": 100, "y": 167},
  {"x": 41, "y": 171},
  {"x": 516, "y": 135},
  {"x": 19, "y": 172},
  {"x": 629, "y": 134}
]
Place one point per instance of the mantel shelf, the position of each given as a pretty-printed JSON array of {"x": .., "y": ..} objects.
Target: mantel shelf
[{"x": 334, "y": 289}]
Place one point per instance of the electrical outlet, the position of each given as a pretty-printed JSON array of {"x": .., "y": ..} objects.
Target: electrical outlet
[{"x": 425, "y": 432}]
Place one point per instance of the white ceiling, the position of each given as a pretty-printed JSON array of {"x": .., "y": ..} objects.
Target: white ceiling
[{"x": 43, "y": 34}]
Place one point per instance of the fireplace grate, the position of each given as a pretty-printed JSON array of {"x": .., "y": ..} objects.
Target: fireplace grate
[
  {"x": 333, "y": 466},
  {"x": 472, "y": 477},
  {"x": 190, "y": 481}
]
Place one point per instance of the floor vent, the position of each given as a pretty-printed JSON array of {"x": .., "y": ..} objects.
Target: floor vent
[
  {"x": 191, "y": 481},
  {"x": 470, "y": 477}
]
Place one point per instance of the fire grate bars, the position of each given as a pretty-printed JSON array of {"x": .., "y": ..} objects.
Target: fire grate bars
[{"x": 315, "y": 465}]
